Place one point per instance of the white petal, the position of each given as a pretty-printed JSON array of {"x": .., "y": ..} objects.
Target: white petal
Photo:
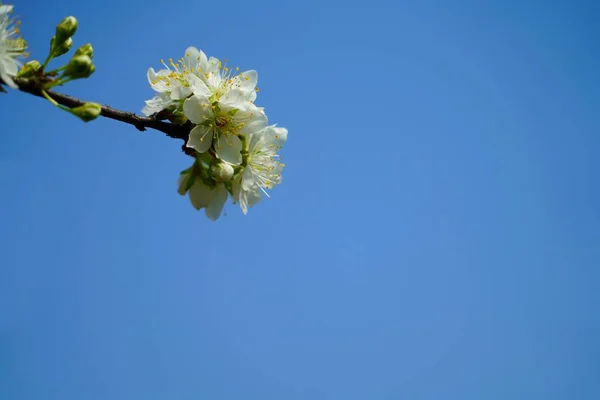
[
  {"x": 8, "y": 80},
  {"x": 236, "y": 188},
  {"x": 200, "y": 139},
  {"x": 275, "y": 135},
  {"x": 179, "y": 92},
  {"x": 248, "y": 180},
  {"x": 192, "y": 57},
  {"x": 198, "y": 86},
  {"x": 151, "y": 74},
  {"x": 157, "y": 103},
  {"x": 10, "y": 66},
  {"x": 234, "y": 98},
  {"x": 201, "y": 195},
  {"x": 254, "y": 195},
  {"x": 229, "y": 149},
  {"x": 197, "y": 109},
  {"x": 157, "y": 85},
  {"x": 214, "y": 209},
  {"x": 246, "y": 81},
  {"x": 254, "y": 120}
]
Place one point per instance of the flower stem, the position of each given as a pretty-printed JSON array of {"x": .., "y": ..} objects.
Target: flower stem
[
  {"x": 56, "y": 71},
  {"x": 57, "y": 82},
  {"x": 51, "y": 100},
  {"x": 50, "y": 57}
]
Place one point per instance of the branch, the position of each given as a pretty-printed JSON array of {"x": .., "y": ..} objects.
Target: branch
[{"x": 141, "y": 123}]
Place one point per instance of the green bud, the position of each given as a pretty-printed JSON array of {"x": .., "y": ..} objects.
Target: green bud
[
  {"x": 29, "y": 69},
  {"x": 80, "y": 67},
  {"x": 65, "y": 29},
  {"x": 87, "y": 112},
  {"x": 58, "y": 49},
  {"x": 220, "y": 171},
  {"x": 85, "y": 50}
]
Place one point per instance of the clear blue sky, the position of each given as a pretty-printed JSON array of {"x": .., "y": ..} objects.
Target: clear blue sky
[{"x": 436, "y": 235}]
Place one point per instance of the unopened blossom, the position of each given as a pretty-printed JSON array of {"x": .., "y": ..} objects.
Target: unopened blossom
[
  {"x": 263, "y": 167},
  {"x": 11, "y": 46}
]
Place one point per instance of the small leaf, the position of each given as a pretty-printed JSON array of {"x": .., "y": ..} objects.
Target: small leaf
[{"x": 189, "y": 182}]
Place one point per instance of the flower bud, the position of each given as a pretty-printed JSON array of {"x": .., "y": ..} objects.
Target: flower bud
[
  {"x": 80, "y": 67},
  {"x": 65, "y": 29},
  {"x": 29, "y": 69},
  {"x": 87, "y": 112},
  {"x": 221, "y": 171},
  {"x": 58, "y": 49},
  {"x": 85, "y": 50}
]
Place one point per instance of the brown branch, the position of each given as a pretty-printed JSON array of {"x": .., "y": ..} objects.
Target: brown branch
[{"x": 33, "y": 87}]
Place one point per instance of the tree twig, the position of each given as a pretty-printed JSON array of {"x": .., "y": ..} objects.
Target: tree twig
[{"x": 32, "y": 86}]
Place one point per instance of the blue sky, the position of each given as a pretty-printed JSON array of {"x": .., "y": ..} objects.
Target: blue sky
[{"x": 436, "y": 235}]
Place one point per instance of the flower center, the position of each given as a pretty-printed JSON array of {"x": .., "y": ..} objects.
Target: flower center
[{"x": 221, "y": 121}]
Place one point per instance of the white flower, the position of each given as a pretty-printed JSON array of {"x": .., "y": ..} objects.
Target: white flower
[
  {"x": 221, "y": 116},
  {"x": 172, "y": 83},
  {"x": 263, "y": 168},
  {"x": 212, "y": 199},
  {"x": 11, "y": 46}
]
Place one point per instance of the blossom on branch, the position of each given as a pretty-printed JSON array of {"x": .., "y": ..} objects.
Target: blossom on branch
[
  {"x": 11, "y": 46},
  {"x": 235, "y": 149}
]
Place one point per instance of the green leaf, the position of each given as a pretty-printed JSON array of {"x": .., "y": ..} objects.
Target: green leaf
[
  {"x": 189, "y": 182},
  {"x": 185, "y": 171}
]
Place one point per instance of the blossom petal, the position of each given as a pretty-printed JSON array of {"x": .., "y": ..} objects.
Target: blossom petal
[
  {"x": 214, "y": 209},
  {"x": 214, "y": 73},
  {"x": 180, "y": 92},
  {"x": 246, "y": 81},
  {"x": 157, "y": 84},
  {"x": 192, "y": 58},
  {"x": 200, "y": 139},
  {"x": 254, "y": 119},
  {"x": 201, "y": 195},
  {"x": 248, "y": 180},
  {"x": 253, "y": 196},
  {"x": 156, "y": 104},
  {"x": 197, "y": 109},
  {"x": 275, "y": 135},
  {"x": 236, "y": 189},
  {"x": 199, "y": 88},
  {"x": 151, "y": 74},
  {"x": 234, "y": 98},
  {"x": 8, "y": 80},
  {"x": 229, "y": 149}
]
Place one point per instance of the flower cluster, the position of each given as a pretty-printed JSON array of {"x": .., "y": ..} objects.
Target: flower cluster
[
  {"x": 235, "y": 148},
  {"x": 11, "y": 46}
]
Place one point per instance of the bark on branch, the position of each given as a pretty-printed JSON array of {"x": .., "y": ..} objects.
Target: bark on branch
[{"x": 140, "y": 122}]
